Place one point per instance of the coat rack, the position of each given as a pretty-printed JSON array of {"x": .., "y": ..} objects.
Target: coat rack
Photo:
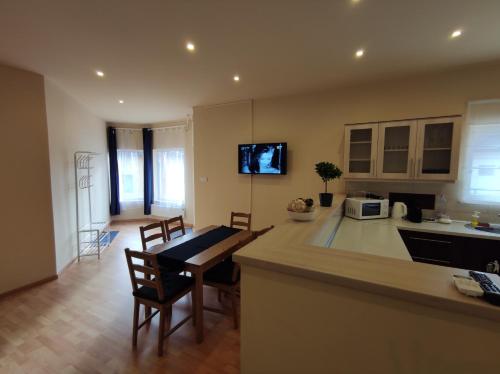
[{"x": 93, "y": 236}]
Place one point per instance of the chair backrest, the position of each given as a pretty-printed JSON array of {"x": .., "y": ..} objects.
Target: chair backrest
[
  {"x": 263, "y": 231},
  {"x": 148, "y": 269},
  {"x": 241, "y": 220},
  {"x": 174, "y": 224},
  {"x": 158, "y": 235}
]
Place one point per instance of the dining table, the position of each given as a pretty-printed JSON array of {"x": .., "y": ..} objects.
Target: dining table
[{"x": 219, "y": 243}]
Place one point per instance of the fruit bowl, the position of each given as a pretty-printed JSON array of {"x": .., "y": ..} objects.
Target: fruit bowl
[{"x": 302, "y": 216}]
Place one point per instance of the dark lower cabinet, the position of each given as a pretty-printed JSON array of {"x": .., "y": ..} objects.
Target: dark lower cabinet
[{"x": 449, "y": 250}]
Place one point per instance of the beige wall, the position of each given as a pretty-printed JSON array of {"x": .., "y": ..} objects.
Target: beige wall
[
  {"x": 73, "y": 128},
  {"x": 312, "y": 124},
  {"x": 26, "y": 224},
  {"x": 219, "y": 189}
]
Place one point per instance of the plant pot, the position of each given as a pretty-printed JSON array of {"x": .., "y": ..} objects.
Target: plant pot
[{"x": 325, "y": 199}]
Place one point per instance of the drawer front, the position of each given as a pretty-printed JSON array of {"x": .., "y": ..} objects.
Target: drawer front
[{"x": 431, "y": 248}]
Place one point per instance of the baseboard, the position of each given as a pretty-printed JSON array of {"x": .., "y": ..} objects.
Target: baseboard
[
  {"x": 28, "y": 286},
  {"x": 71, "y": 262}
]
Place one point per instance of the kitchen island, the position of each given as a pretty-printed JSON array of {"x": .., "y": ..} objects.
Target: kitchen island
[{"x": 308, "y": 306}]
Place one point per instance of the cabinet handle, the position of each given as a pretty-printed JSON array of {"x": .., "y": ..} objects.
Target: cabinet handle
[
  {"x": 431, "y": 240},
  {"x": 373, "y": 168},
  {"x": 430, "y": 260}
]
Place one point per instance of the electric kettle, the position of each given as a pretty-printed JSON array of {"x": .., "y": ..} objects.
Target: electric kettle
[{"x": 399, "y": 210}]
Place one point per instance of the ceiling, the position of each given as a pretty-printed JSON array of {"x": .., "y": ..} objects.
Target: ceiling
[{"x": 276, "y": 46}]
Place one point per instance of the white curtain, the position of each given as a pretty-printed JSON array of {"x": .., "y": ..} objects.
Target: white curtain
[
  {"x": 130, "y": 169},
  {"x": 169, "y": 164},
  {"x": 481, "y": 154}
]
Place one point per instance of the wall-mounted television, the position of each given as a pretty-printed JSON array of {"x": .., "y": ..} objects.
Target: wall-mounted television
[{"x": 263, "y": 158}]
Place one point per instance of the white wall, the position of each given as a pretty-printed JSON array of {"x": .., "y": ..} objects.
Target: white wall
[{"x": 73, "y": 128}]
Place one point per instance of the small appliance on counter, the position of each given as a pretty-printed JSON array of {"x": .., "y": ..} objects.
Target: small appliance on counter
[
  {"x": 399, "y": 210},
  {"x": 414, "y": 214},
  {"x": 366, "y": 208},
  {"x": 415, "y": 203}
]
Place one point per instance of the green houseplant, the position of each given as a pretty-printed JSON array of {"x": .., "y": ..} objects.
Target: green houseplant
[{"x": 328, "y": 172}]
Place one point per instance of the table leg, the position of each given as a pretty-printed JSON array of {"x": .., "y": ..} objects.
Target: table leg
[{"x": 199, "y": 306}]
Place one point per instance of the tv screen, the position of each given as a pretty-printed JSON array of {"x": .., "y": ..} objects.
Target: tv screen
[{"x": 264, "y": 158}]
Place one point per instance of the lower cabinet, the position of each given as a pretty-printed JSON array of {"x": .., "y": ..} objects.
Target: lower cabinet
[{"x": 449, "y": 250}]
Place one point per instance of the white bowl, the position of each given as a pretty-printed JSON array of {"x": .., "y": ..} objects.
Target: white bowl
[{"x": 299, "y": 216}]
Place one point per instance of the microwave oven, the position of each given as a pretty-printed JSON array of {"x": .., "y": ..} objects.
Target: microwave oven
[{"x": 363, "y": 208}]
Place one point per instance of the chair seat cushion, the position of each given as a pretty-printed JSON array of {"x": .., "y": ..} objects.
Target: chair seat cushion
[
  {"x": 173, "y": 285},
  {"x": 221, "y": 273}
]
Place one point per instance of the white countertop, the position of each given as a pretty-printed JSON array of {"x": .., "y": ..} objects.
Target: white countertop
[
  {"x": 367, "y": 255},
  {"x": 380, "y": 237}
]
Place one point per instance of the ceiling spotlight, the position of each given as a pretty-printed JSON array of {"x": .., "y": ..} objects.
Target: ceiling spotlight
[
  {"x": 190, "y": 46},
  {"x": 236, "y": 78},
  {"x": 99, "y": 73},
  {"x": 456, "y": 33},
  {"x": 360, "y": 53},
  {"x": 121, "y": 101}
]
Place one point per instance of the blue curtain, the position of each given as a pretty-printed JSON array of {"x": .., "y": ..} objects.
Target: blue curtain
[
  {"x": 114, "y": 207},
  {"x": 147, "y": 138}
]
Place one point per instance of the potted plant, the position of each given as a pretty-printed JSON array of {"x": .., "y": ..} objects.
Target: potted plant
[{"x": 327, "y": 171}]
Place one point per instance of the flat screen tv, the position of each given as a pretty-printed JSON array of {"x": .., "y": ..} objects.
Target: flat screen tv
[{"x": 263, "y": 158}]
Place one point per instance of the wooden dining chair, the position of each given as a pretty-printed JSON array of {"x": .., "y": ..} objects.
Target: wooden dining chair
[
  {"x": 244, "y": 224},
  {"x": 225, "y": 276},
  {"x": 146, "y": 237},
  {"x": 173, "y": 225},
  {"x": 159, "y": 293}
]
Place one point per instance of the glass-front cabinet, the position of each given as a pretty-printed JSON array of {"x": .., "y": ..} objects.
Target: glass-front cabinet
[
  {"x": 437, "y": 149},
  {"x": 420, "y": 149},
  {"x": 396, "y": 151},
  {"x": 361, "y": 150}
]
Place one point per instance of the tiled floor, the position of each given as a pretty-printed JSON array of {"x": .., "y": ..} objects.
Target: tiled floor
[{"x": 82, "y": 322}]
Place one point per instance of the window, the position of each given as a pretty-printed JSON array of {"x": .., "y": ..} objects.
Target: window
[
  {"x": 169, "y": 184},
  {"x": 481, "y": 154},
  {"x": 131, "y": 175}
]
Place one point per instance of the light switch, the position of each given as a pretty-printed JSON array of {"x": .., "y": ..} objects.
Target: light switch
[{"x": 203, "y": 179}]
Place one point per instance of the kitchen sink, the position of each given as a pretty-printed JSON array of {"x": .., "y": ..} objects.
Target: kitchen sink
[{"x": 493, "y": 228}]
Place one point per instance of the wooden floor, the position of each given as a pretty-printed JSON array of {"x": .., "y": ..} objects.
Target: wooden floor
[{"x": 82, "y": 323}]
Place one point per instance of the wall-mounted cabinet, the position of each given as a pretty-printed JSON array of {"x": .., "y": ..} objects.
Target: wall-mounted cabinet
[
  {"x": 423, "y": 149},
  {"x": 361, "y": 150}
]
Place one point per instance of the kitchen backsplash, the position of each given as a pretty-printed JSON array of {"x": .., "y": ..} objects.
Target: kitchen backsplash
[{"x": 455, "y": 208}]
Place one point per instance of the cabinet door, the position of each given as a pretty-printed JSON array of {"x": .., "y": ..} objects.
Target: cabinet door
[
  {"x": 438, "y": 149},
  {"x": 478, "y": 253},
  {"x": 396, "y": 150},
  {"x": 360, "y": 150}
]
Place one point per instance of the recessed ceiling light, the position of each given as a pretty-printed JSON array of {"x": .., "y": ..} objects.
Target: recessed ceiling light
[
  {"x": 121, "y": 101},
  {"x": 360, "y": 53},
  {"x": 456, "y": 33},
  {"x": 190, "y": 46},
  {"x": 99, "y": 73},
  {"x": 236, "y": 78}
]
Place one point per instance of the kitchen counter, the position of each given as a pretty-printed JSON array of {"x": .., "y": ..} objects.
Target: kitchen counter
[
  {"x": 367, "y": 255},
  {"x": 337, "y": 295},
  {"x": 381, "y": 237}
]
